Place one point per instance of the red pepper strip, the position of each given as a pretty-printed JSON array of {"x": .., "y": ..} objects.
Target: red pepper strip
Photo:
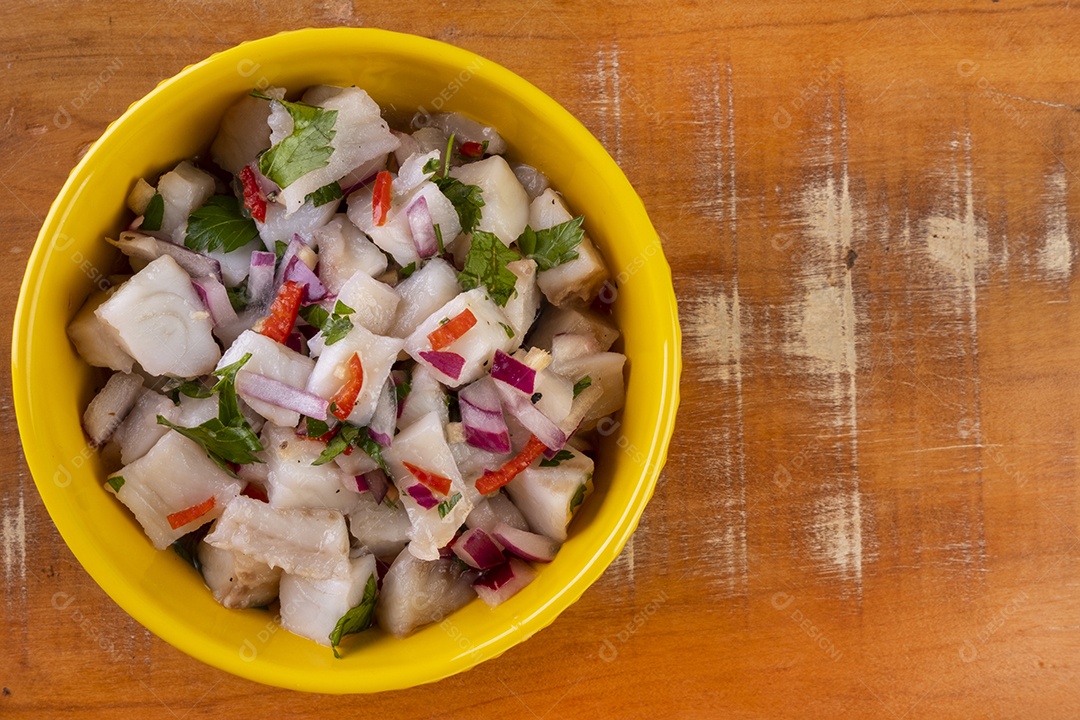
[
  {"x": 255, "y": 492},
  {"x": 283, "y": 311},
  {"x": 438, "y": 483},
  {"x": 492, "y": 481},
  {"x": 471, "y": 149},
  {"x": 253, "y": 198},
  {"x": 451, "y": 330},
  {"x": 344, "y": 400},
  {"x": 380, "y": 199},
  {"x": 180, "y": 519}
]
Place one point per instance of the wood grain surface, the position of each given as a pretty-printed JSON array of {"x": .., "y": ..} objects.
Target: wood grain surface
[{"x": 871, "y": 503}]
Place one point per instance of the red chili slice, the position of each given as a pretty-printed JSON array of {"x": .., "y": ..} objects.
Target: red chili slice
[
  {"x": 380, "y": 199},
  {"x": 344, "y": 400},
  {"x": 283, "y": 312},
  {"x": 451, "y": 330},
  {"x": 254, "y": 200},
  {"x": 180, "y": 519},
  {"x": 438, "y": 483},
  {"x": 491, "y": 481}
]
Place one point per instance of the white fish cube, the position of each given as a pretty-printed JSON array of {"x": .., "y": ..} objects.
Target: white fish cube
[
  {"x": 424, "y": 292},
  {"x": 377, "y": 355},
  {"x": 574, "y": 319},
  {"x": 184, "y": 190},
  {"x": 243, "y": 134},
  {"x": 237, "y": 580},
  {"x": 416, "y": 592},
  {"x": 93, "y": 341},
  {"x": 382, "y": 529},
  {"x": 426, "y": 395},
  {"x": 300, "y": 541},
  {"x": 477, "y": 346},
  {"x": 579, "y": 279},
  {"x": 374, "y": 303},
  {"x": 521, "y": 308},
  {"x": 158, "y": 319},
  {"x": 294, "y": 482},
  {"x": 549, "y": 496},
  {"x": 281, "y": 225},
  {"x": 506, "y": 204},
  {"x": 140, "y": 430},
  {"x": 273, "y": 360},
  {"x": 423, "y": 445},
  {"x": 175, "y": 475},
  {"x": 345, "y": 251},
  {"x": 311, "y": 608}
]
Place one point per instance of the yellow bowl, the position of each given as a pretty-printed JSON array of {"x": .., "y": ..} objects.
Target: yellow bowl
[{"x": 177, "y": 120}]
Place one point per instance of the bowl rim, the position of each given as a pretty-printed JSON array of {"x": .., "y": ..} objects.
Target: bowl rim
[{"x": 129, "y": 600}]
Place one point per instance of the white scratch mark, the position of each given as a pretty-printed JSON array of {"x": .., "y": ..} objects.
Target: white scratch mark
[
  {"x": 14, "y": 540},
  {"x": 1056, "y": 254},
  {"x": 713, "y": 330},
  {"x": 825, "y": 331},
  {"x": 606, "y": 78}
]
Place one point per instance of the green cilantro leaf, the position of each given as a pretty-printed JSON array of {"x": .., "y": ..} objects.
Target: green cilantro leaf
[
  {"x": 174, "y": 388},
  {"x": 314, "y": 315},
  {"x": 153, "y": 214},
  {"x": 325, "y": 194},
  {"x": 407, "y": 270},
  {"x": 228, "y": 438},
  {"x": 375, "y": 453},
  {"x": 579, "y": 497},
  {"x": 316, "y": 428},
  {"x": 357, "y": 619},
  {"x": 439, "y": 240},
  {"x": 467, "y": 200},
  {"x": 238, "y": 297},
  {"x": 402, "y": 389},
  {"x": 116, "y": 482},
  {"x": 558, "y": 459},
  {"x": 341, "y": 308},
  {"x": 581, "y": 385},
  {"x": 338, "y": 444},
  {"x": 279, "y": 250},
  {"x": 447, "y": 505},
  {"x": 486, "y": 265},
  {"x": 507, "y": 329},
  {"x": 553, "y": 246},
  {"x": 307, "y": 148},
  {"x": 334, "y": 326},
  {"x": 220, "y": 223}
]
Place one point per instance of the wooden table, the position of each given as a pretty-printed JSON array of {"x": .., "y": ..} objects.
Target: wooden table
[{"x": 871, "y": 503}]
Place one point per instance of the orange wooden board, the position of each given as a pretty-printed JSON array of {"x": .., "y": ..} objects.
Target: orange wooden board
[{"x": 871, "y": 503}]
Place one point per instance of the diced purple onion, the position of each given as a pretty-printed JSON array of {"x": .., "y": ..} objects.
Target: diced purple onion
[
  {"x": 520, "y": 406},
  {"x": 422, "y": 495},
  {"x": 513, "y": 372},
  {"x": 260, "y": 285},
  {"x": 377, "y": 482},
  {"x": 296, "y": 341},
  {"x": 146, "y": 247},
  {"x": 291, "y": 250},
  {"x": 448, "y": 363},
  {"x": 482, "y": 417},
  {"x": 422, "y": 227},
  {"x": 502, "y": 582},
  {"x": 476, "y": 549},
  {"x": 361, "y": 484},
  {"x": 524, "y": 544},
  {"x": 260, "y": 387},
  {"x": 384, "y": 420},
  {"x": 298, "y": 271},
  {"x": 216, "y": 299}
]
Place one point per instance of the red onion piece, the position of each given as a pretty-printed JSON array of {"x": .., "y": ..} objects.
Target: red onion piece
[
  {"x": 377, "y": 483},
  {"x": 297, "y": 271},
  {"x": 422, "y": 495},
  {"x": 449, "y": 364},
  {"x": 520, "y": 406},
  {"x": 422, "y": 227},
  {"x": 524, "y": 544},
  {"x": 291, "y": 250},
  {"x": 381, "y": 427},
  {"x": 513, "y": 372},
  {"x": 476, "y": 549},
  {"x": 260, "y": 285},
  {"x": 216, "y": 299},
  {"x": 361, "y": 484},
  {"x": 502, "y": 582},
  {"x": 282, "y": 395},
  {"x": 482, "y": 417},
  {"x": 146, "y": 247}
]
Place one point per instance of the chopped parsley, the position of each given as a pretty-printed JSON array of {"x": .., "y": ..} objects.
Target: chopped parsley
[
  {"x": 116, "y": 482},
  {"x": 579, "y": 497},
  {"x": 337, "y": 444},
  {"x": 280, "y": 247},
  {"x": 553, "y": 246},
  {"x": 581, "y": 385},
  {"x": 334, "y": 326},
  {"x": 239, "y": 297},
  {"x": 448, "y": 504},
  {"x": 325, "y": 194},
  {"x": 486, "y": 265},
  {"x": 467, "y": 199},
  {"x": 558, "y": 459},
  {"x": 509, "y": 330},
  {"x": 191, "y": 388},
  {"x": 153, "y": 214},
  {"x": 307, "y": 148},
  {"x": 358, "y": 618},
  {"x": 220, "y": 224},
  {"x": 228, "y": 438},
  {"x": 316, "y": 428},
  {"x": 407, "y": 270}
]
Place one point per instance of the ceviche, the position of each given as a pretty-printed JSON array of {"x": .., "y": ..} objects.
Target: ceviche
[{"x": 355, "y": 368}]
